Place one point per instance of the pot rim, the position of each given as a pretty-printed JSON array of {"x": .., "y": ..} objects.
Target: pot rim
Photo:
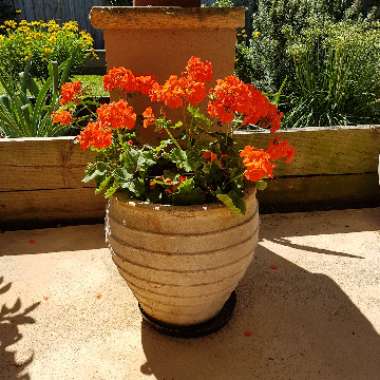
[{"x": 124, "y": 201}]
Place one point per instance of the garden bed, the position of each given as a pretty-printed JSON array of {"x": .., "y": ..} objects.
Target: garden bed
[{"x": 40, "y": 178}]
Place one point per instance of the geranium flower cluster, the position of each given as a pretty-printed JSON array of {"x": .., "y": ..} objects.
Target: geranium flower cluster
[
  {"x": 112, "y": 116},
  {"x": 259, "y": 163},
  {"x": 231, "y": 96},
  {"x": 120, "y": 78},
  {"x": 229, "y": 100},
  {"x": 70, "y": 92}
]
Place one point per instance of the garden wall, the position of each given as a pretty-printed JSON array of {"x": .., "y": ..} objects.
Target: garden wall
[{"x": 40, "y": 178}]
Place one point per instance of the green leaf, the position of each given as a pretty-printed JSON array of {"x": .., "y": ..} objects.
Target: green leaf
[
  {"x": 233, "y": 202},
  {"x": 187, "y": 194},
  {"x": 261, "y": 185},
  {"x": 177, "y": 125},
  {"x": 145, "y": 160},
  {"x": 135, "y": 185},
  {"x": 103, "y": 184},
  {"x": 129, "y": 160},
  {"x": 179, "y": 157},
  {"x": 111, "y": 191},
  {"x": 92, "y": 175}
]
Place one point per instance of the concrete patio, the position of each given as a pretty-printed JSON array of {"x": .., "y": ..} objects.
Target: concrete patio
[{"x": 308, "y": 308}]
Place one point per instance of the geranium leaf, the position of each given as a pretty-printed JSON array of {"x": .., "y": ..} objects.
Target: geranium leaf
[
  {"x": 232, "y": 202},
  {"x": 179, "y": 157}
]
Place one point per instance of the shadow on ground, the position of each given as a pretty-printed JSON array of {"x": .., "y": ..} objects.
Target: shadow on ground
[
  {"x": 289, "y": 324},
  {"x": 10, "y": 320},
  {"x": 27, "y": 242}
]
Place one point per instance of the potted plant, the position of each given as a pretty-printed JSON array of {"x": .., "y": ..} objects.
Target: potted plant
[{"x": 182, "y": 219}]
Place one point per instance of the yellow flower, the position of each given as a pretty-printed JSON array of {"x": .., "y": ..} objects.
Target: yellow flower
[
  {"x": 23, "y": 29},
  {"x": 256, "y": 34},
  {"x": 10, "y": 24},
  {"x": 71, "y": 26},
  {"x": 18, "y": 11},
  {"x": 47, "y": 51}
]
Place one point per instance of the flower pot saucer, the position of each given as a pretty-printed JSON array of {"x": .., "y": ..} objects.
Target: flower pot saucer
[{"x": 194, "y": 331}]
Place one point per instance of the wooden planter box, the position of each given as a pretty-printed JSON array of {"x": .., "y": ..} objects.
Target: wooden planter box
[{"x": 40, "y": 178}]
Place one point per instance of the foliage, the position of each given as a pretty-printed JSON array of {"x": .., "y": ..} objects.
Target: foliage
[
  {"x": 40, "y": 42},
  {"x": 120, "y": 2},
  {"x": 222, "y": 3},
  {"x": 268, "y": 59},
  {"x": 26, "y": 108},
  {"x": 278, "y": 21},
  {"x": 190, "y": 156},
  {"x": 337, "y": 74}
]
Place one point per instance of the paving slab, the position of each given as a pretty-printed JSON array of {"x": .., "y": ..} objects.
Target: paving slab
[{"x": 308, "y": 308}]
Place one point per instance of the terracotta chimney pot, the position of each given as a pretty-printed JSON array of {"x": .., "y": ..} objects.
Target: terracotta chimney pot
[
  {"x": 159, "y": 41},
  {"x": 167, "y": 3}
]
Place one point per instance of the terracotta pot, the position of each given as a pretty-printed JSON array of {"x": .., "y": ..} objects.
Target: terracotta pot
[
  {"x": 162, "y": 3},
  {"x": 181, "y": 262}
]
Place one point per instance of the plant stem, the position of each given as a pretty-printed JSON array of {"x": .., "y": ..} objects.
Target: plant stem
[{"x": 173, "y": 138}]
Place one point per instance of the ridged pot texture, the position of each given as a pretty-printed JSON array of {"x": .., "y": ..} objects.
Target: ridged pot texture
[{"x": 181, "y": 262}]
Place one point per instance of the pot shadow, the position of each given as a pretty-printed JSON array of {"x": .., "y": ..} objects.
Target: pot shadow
[
  {"x": 288, "y": 324},
  {"x": 10, "y": 320}
]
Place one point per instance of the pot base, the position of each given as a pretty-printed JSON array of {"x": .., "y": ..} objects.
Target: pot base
[{"x": 194, "y": 331}]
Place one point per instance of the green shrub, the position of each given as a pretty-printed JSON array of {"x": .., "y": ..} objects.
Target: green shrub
[
  {"x": 27, "y": 106},
  {"x": 40, "y": 42},
  {"x": 120, "y": 2},
  {"x": 277, "y": 21},
  {"x": 337, "y": 75}
]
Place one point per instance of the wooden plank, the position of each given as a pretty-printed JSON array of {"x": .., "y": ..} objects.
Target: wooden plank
[
  {"x": 320, "y": 193},
  {"x": 40, "y": 178},
  {"x": 325, "y": 150},
  {"x": 34, "y": 207},
  {"x": 31, "y": 208},
  {"x": 41, "y": 163},
  {"x": 52, "y": 163}
]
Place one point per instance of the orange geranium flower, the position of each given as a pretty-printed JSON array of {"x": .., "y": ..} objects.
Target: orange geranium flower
[
  {"x": 198, "y": 70},
  {"x": 144, "y": 84},
  {"x": 119, "y": 78},
  {"x": 95, "y": 135},
  {"x": 195, "y": 92},
  {"x": 178, "y": 91},
  {"x": 62, "y": 117},
  {"x": 149, "y": 118},
  {"x": 117, "y": 115},
  {"x": 231, "y": 96},
  {"x": 281, "y": 150},
  {"x": 257, "y": 164},
  {"x": 172, "y": 93},
  {"x": 70, "y": 92},
  {"x": 209, "y": 156}
]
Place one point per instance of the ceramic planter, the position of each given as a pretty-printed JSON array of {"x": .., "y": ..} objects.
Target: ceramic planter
[
  {"x": 161, "y": 3},
  {"x": 181, "y": 262}
]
